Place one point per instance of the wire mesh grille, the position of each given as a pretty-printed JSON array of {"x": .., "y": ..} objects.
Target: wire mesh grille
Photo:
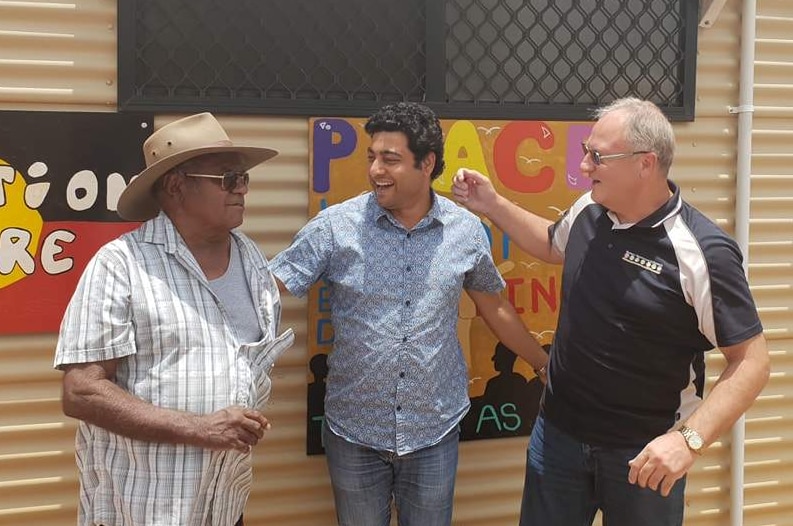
[
  {"x": 296, "y": 49},
  {"x": 563, "y": 51},
  {"x": 493, "y": 58}
]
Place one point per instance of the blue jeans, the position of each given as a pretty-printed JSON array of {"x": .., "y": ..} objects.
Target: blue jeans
[
  {"x": 364, "y": 481},
  {"x": 568, "y": 481}
]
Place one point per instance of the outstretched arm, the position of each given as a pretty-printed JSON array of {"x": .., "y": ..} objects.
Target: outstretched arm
[
  {"x": 529, "y": 231},
  {"x": 90, "y": 394},
  {"x": 667, "y": 458}
]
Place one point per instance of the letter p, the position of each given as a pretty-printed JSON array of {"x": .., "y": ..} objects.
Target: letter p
[{"x": 325, "y": 149}]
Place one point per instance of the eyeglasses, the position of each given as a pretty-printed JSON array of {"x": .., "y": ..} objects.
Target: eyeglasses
[
  {"x": 229, "y": 181},
  {"x": 598, "y": 157}
]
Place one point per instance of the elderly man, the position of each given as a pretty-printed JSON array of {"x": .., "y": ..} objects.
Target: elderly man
[
  {"x": 168, "y": 341},
  {"x": 649, "y": 285}
]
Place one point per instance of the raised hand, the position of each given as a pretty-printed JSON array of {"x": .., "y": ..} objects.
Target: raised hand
[{"x": 473, "y": 190}]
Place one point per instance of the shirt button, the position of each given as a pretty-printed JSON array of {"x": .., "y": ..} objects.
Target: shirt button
[
  {"x": 404, "y": 339},
  {"x": 402, "y": 374},
  {"x": 408, "y": 235},
  {"x": 408, "y": 268},
  {"x": 610, "y": 245},
  {"x": 399, "y": 408},
  {"x": 407, "y": 303}
]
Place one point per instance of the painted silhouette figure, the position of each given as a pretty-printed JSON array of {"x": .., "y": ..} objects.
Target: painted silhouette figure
[
  {"x": 510, "y": 403},
  {"x": 316, "y": 404}
]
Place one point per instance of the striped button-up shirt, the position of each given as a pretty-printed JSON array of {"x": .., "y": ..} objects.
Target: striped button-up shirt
[
  {"x": 144, "y": 300},
  {"x": 397, "y": 378}
]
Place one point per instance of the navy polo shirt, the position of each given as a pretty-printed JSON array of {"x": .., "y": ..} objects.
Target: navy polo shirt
[{"x": 641, "y": 303}]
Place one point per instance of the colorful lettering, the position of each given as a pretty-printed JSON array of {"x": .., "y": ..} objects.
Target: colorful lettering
[
  {"x": 333, "y": 139},
  {"x": 505, "y": 157},
  {"x": 462, "y": 150}
]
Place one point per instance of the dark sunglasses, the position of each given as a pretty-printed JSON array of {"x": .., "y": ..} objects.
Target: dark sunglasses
[
  {"x": 598, "y": 157},
  {"x": 229, "y": 181}
]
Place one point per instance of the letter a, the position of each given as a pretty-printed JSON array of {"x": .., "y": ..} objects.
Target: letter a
[{"x": 462, "y": 150}]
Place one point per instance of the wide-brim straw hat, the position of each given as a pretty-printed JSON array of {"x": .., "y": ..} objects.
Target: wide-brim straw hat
[{"x": 172, "y": 145}]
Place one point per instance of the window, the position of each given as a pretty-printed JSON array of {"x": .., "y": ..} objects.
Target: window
[{"x": 516, "y": 59}]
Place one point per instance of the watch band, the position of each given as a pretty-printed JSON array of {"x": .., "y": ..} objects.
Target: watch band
[{"x": 693, "y": 439}]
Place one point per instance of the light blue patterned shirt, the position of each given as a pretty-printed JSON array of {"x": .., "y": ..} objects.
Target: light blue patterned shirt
[{"x": 397, "y": 377}]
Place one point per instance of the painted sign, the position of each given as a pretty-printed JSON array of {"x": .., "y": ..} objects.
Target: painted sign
[
  {"x": 61, "y": 174},
  {"x": 534, "y": 164}
]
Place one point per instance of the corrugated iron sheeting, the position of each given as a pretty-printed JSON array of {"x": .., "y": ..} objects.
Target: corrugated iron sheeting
[
  {"x": 63, "y": 57},
  {"x": 769, "y": 451},
  {"x": 58, "y": 55}
]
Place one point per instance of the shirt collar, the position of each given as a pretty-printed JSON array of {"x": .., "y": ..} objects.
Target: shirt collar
[
  {"x": 670, "y": 208},
  {"x": 161, "y": 230},
  {"x": 379, "y": 214}
]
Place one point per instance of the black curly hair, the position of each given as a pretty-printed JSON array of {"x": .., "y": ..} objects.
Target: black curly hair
[{"x": 419, "y": 124}]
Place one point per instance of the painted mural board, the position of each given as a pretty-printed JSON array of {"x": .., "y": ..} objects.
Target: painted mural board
[
  {"x": 61, "y": 174},
  {"x": 533, "y": 163}
]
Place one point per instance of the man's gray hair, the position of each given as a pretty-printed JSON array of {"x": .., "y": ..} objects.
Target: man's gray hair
[{"x": 646, "y": 128}]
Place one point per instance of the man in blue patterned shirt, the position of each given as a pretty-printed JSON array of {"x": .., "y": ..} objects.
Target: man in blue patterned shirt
[{"x": 396, "y": 260}]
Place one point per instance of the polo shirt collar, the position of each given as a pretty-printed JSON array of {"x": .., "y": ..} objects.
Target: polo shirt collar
[{"x": 670, "y": 208}]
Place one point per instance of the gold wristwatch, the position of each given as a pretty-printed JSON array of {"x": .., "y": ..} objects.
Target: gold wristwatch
[{"x": 693, "y": 439}]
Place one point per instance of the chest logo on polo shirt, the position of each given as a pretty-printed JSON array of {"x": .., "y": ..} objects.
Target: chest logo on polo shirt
[{"x": 642, "y": 262}]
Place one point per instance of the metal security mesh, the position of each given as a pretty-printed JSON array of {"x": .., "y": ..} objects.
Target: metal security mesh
[
  {"x": 467, "y": 58},
  {"x": 252, "y": 50},
  {"x": 563, "y": 51}
]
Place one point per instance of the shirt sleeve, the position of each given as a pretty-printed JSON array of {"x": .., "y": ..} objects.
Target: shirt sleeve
[
  {"x": 559, "y": 232},
  {"x": 712, "y": 279},
  {"x": 97, "y": 324},
  {"x": 734, "y": 312},
  {"x": 305, "y": 261},
  {"x": 484, "y": 276}
]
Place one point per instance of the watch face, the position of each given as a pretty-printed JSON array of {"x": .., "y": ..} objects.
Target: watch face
[{"x": 695, "y": 441}]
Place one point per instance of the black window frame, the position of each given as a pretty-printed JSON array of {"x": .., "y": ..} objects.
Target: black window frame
[{"x": 434, "y": 87}]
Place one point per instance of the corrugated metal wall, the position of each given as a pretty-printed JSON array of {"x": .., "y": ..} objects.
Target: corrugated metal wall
[
  {"x": 705, "y": 168},
  {"x": 769, "y": 432},
  {"x": 58, "y": 56},
  {"x": 53, "y": 56}
]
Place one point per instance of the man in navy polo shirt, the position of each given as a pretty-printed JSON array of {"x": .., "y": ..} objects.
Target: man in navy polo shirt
[{"x": 649, "y": 285}]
